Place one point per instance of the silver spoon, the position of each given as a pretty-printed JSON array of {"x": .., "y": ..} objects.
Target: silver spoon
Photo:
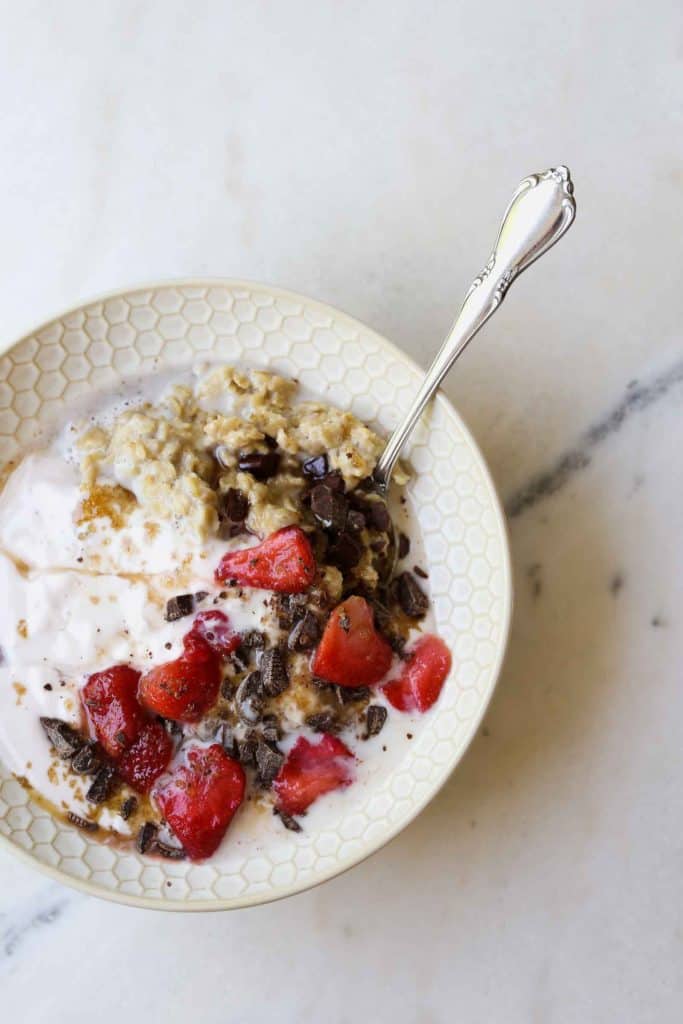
[{"x": 540, "y": 212}]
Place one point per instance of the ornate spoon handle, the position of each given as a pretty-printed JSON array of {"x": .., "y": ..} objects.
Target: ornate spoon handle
[{"x": 540, "y": 212}]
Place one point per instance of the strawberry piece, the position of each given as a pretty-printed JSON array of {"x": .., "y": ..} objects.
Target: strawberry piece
[
  {"x": 424, "y": 673},
  {"x": 110, "y": 702},
  {"x": 200, "y": 799},
  {"x": 312, "y": 769},
  {"x": 212, "y": 628},
  {"x": 351, "y": 651},
  {"x": 185, "y": 688},
  {"x": 283, "y": 562},
  {"x": 148, "y": 757}
]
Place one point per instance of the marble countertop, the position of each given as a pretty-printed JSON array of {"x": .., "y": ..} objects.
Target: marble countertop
[{"x": 363, "y": 154}]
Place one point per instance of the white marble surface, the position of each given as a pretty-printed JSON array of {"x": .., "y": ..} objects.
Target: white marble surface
[{"x": 362, "y": 153}]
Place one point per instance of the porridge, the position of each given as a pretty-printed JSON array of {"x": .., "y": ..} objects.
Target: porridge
[{"x": 210, "y": 614}]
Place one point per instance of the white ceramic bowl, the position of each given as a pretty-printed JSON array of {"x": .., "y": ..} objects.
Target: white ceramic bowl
[{"x": 142, "y": 330}]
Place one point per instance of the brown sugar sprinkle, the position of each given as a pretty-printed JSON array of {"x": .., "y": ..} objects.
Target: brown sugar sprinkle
[
  {"x": 105, "y": 501},
  {"x": 22, "y": 628}
]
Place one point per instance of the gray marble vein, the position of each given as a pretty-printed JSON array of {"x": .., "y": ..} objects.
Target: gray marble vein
[
  {"x": 29, "y": 922},
  {"x": 636, "y": 399}
]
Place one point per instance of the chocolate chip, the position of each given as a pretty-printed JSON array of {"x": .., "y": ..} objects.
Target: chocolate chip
[
  {"x": 102, "y": 786},
  {"x": 351, "y": 694},
  {"x": 420, "y": 572},
  {"x": 250, "y": 698},
  {"x": 273, "y": 672},
  {"x": 261, "y": 465},
  {"x": 47, "y": 686},
  {"x": 235, "y": 505},
  {"x": 323, "y": 721},
  {"x": 178, "y": 607},
  {"x": 268, "y": 762},
  {"x": 287, "y": 820},
  {"x": 345, "y": 553},
  {"x": 304, "y": 634},
  {"x": 355, "y": 520},
  {"x": 87, "y": 826},
  {"x": 403, "y": 545},
  {"x": 146, "y": 836},
  {"x": 315, "y": 467},
  {"x": 128, "y": 807},
  {"x": 270, "y": 441},
  {"x": 270, "y": 729},
  {"x": 86, "y": 762},
  {"x": 63, "y": 738},
  {"x": 329, "y": 507},
  {"x": 411, "y": 597},
  {"x": 168, "y": 851},
  {"x": 375, "y": 717},
  {"x": 200, "y": 596}
]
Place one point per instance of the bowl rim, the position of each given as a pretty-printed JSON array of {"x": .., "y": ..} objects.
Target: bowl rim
[{"x": 259, "y": 899}]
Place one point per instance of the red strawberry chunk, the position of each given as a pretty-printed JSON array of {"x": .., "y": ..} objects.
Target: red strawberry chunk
[
  {"x": 200, "y": 798},
  {"x": 351, "y": 651},
  {"x": 148, "y": 757},
  {"x": 110, "y": 702},
  {"x": 283, "y": 562},
  {"x": 423, "y": 675},
  {"x": 212, "y": 628},
  {"x": 183, "y": 689},
  {"x": 312, "y": 769}
]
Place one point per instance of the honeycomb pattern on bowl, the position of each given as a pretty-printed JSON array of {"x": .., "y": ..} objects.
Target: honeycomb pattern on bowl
[{"x": 138, "y": 332}]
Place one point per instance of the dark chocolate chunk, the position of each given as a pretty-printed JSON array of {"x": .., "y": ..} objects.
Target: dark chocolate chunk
[
  {"x": 403, "y": 545},
  {"x": 345, "y": 553},
  {"x": 304, "y": 634},
  {"x": 235, "y": 505},
  {"x": 128, "y": 807},
  {"x": 200, "y": 596},
  {"x": 268, "y": 762},
  {"x": 411, "y": 597},
  {"x": 420, "y": 572},
  {"x": 247, "y": 747},
  {"x": 287, "y": 820},
  {"x": 63, "y": 738},
  {"x": 168, "y": 851},
  {"x": 397, "y": 644},
  {"x": 86, "y": 761},
  {"x": 273, "y": 672},
  {"x": 102, "y": 786},
  {"x": 355, "y": 520},
  {"x": 87, "y": 826},
  {"x": 315, "y": 467},
  {"x": 378, "y": 514},
  {"x": 250, "y": 698},
  {"x": 239, "y": 660},
  {"x": 329, "y": 507},
  {"x": 323, "y": 721},
  {"x": 351, "y": 694},
  {"x": 270, "y": 730},
  {"x": 375, "y": 717},
  {"x": 146, "y": 836},
  {"x": 229, "y": 687},
  {"x": 270, "y": 441},
  {"x": 335, "y": 481},
  {"x": 261, "y": 465},
  {"x": 178, "y": 607},
  {"x": 253, "y": 639},
  {"x": 289, "y": 608}
]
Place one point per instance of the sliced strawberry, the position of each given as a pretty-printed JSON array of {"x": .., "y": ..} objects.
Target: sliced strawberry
[
  {"x": 185, "y": 688},
  {"x": 284, "y": 562},
  {"x": 212, "y": 628},
  {"x": 312, "y": 770},
  {"x": 351, "y": 651},
  {"x": 201, "y": 797},
  {"x": 148, "y": 757},
  {"x": 424, "y": 673},
  {"x": 110, "y": 702}
]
